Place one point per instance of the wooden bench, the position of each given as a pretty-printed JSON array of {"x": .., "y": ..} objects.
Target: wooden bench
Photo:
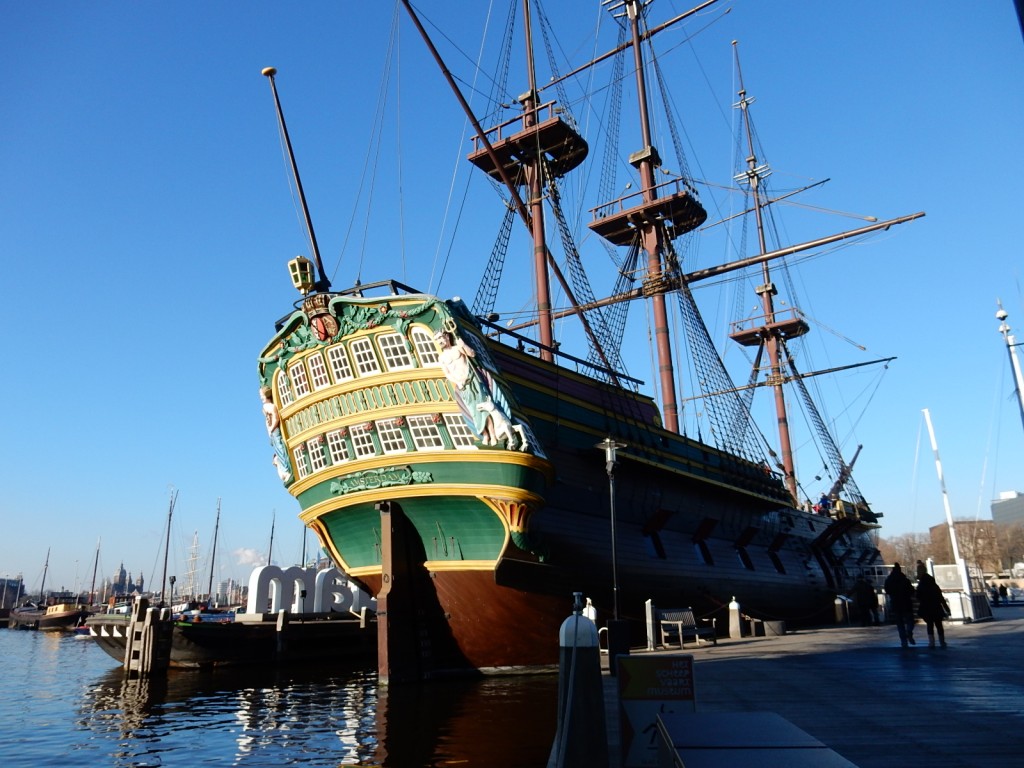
[{"x": 678, "y": 624}]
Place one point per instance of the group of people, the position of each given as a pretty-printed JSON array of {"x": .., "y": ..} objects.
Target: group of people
[{"x": 931, "y": 604}]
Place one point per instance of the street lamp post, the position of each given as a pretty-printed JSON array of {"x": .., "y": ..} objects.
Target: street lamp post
[
  {"x": 618, "y": 632},
  {"x": 610, "y": 459}
]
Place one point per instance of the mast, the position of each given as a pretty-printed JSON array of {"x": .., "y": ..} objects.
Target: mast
[
  {"x": 652, "y": 236},
  {"x": 1011, "y": 350},
  {"x": 42, "y": 589},
  {"x": 270, "y": 549},
  {"x": 95, "y": 566},
  {"x": 652, "y": 218},
  {"x": 322, "y": 283},
  {"x": 213, "y": 554},
  {"x": 534, "y": 186},
  {"x": 167, "y": 546},
  {"x": 771, "y": 332},
  {"x": 551, "y": 147},
  {"x": 193, "y": 558}
]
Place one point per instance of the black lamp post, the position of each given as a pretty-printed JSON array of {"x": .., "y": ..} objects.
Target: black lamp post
[{"x": 618, "y": 632}]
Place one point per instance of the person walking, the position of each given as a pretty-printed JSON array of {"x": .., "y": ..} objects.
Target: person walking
[
  {"x": 901, "y": 596},
  {"x": 866, "y": 600},
  {"x": 931, "y": 605}
]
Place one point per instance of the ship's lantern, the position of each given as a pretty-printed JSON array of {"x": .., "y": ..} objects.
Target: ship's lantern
[{"x": 301, "y": 270}]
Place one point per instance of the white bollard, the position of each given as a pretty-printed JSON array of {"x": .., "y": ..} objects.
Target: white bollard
[{"x": 735, "y": 620}]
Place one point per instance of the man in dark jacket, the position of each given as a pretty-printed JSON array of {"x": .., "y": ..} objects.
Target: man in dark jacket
[{"x": 901, "y": 601}]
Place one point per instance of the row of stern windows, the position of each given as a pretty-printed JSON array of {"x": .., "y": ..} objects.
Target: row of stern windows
[
  {"x": 404, "y": 434},
  {"x": 362, "y": 356}
]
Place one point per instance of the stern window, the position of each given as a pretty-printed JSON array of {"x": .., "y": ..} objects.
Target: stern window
[
  {"x": 425, "y": 347},
  {"x": 396, "y": 355},
  {"x": 391, "y": 438},
  {"x": 297, "y": 373},
  {"x": 462, "y": 436},
  {"x": 337, "y": 446},
  {"x": 338, "y": 359},
  {"x": 425, "y": 434},
  {"x": 366, "y": 360},
  {"x": 318, "y": 369}
]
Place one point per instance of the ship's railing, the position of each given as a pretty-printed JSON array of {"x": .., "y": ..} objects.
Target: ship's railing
[
  {"x": 543, "y": 112},
  {"x": 526, "y": 344},
  {"x": 675, "y": 185}
]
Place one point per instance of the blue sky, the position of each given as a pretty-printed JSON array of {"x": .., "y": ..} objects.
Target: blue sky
[{"x": 147, "y": 218}]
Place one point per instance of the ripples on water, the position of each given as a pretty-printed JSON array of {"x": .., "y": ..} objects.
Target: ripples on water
[{"x": 63, "y": 701}]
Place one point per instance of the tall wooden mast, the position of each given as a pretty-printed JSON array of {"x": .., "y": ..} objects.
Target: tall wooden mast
[
  {"x": 653, "y": 216},
  {"x": 769, "y": 330},
  {"x": 533, "y": 169}
]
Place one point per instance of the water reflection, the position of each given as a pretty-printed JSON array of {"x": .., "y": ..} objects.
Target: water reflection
[
  {"x": 507, "y": 721},
  {"x": 293, "y": 717}
]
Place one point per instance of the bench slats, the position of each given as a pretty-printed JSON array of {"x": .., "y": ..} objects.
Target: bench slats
[{"x": 682, "y": 624}]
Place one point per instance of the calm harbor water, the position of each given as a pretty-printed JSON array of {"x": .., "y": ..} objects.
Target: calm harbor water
[{"x": 63, "y": 701}]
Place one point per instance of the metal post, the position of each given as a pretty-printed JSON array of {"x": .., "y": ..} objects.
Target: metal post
[
  {"x": 610, "y": 449},
  {"x": 960, "y": 562},
  {"x": 1011, "y": 349},
  {"x": 618, "y": 632}
]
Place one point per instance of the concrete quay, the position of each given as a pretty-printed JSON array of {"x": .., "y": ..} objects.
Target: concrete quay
[{"x": 874, "y": 703}]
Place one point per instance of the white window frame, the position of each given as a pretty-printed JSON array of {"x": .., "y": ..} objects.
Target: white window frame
[
  {"x": 365, "y": 358},
  {"x": 393, "y": 349},
  {"x": 341, "y": 368},
  {"x": 391, "y": 438},
  {"x": 337, "y": 447},
  {"x": 425, "y": 434},
  {"x": 318, "y": 372},
  {"x": 461, "y": 434},
  {"x": 284, "y": 389},
  {"x": 317, "y": 457},
  {"x": 426, "y": 349},
  {"x": 363, "y": 443},
  {"x": 299, "y": 378},
  {"x": 301, "y": 466}
]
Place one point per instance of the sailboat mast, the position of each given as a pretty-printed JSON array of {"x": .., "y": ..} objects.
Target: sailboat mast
[
  {"x": 213, "y": 553},
  {"x": 535, "y": 187},
  {"x": 653, "y": 236},
  {"x": 46, "y": 567},
  {"x": 95, "y": 566},
  {"x": 1011, "y": 350},
  {"x": 167, "y": 546},
  {"x": 270, "y": 549},
  {"x": 772, "y": 335}
]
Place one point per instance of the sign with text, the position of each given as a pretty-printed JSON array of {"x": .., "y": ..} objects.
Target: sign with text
[{"x": 649, "y": 686}]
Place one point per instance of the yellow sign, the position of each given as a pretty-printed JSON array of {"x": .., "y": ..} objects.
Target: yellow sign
[{"x": 649, "y": 686}]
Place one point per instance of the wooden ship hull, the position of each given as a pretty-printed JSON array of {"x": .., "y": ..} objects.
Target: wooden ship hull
[
  {"x": 474, "y": 544},
  {"x": 55, "y": 618}
]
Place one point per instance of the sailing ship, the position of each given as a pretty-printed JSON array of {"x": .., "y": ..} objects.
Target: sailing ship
[
  {"x": 475, "y": 475},
  {"x": 47, "y": 617}
]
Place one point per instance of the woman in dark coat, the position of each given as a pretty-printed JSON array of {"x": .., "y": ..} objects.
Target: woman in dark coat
[{"x": 931, "y": 605}]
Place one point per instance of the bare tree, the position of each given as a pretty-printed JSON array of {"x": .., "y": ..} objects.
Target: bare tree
[
  {"x": 906, "y": 548},
  {"x": 1009, "y": 544}
]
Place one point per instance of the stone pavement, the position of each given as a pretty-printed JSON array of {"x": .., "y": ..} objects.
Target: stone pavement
[{"x": 876, "y": 704}]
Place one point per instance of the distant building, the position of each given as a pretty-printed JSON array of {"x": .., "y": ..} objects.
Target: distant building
[
  {"x": 1008, "y": 509},
  {"x": 122, "y": 584},
  {"x": 976, "y": 540}
]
